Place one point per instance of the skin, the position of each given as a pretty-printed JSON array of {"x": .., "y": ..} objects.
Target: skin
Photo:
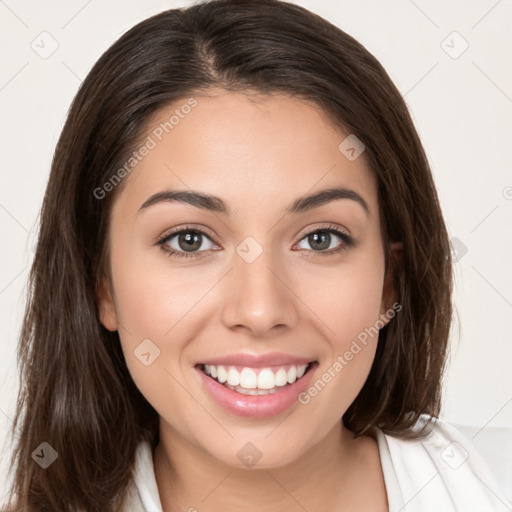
[{"x": 258, "y": 154}]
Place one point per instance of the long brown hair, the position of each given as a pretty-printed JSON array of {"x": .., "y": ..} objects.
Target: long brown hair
[{"x": 76, "y": 393}]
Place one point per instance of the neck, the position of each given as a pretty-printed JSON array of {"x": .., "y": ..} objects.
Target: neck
[{"x": 329, "y": 472}]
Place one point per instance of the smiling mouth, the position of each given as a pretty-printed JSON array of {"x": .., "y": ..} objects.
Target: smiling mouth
[{"x": 256, "y": 381}]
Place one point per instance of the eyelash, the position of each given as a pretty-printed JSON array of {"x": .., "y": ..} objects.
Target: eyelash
[{"x": 347, "y": 241}]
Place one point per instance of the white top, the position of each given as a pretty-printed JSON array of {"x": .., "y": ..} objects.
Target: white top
[{"x": 442, "y": 472}]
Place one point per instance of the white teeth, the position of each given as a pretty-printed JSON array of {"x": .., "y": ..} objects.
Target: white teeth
[
  {"x": 254, "y": 383},
  {"x": 222, "y": 375},
  {"x": 248, "y": 379},
  {"x": 292, "y": 375},
  {"x": 266, "y": 379},
  {"x": 301, "y": 370},
  {"x": 254, "y": 392},
  {"x": 281, "y": 378},
  {"x": 233, "y": 377}
]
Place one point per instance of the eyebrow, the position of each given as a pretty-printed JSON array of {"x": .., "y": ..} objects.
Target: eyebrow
[{"x": 216, "y": 204}]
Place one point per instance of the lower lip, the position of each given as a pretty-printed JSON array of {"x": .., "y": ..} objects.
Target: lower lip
[{"x": 257, "y": 406}]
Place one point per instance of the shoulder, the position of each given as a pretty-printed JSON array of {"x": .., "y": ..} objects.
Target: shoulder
[
  {"x": 442, "y": 469},
  {"x": 142, "y": 495},
  {"x": 132, "y": 501}
]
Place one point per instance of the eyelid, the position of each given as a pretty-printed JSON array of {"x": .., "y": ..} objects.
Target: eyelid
[
  {"x": 323, "y": 226},
  {"x": 203, "y": 229},
  {"x": 163, "y": 238},
  {"x": 347, "y": 240},
  {"x": 339, "y": 231}
]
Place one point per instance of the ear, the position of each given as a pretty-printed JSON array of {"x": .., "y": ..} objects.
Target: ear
[
  {"x": 389, "y": 293},
  {"x": 106, "y": 305}
]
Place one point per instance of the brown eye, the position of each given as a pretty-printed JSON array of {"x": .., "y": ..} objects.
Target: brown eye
[
  {"x": 327, "y": 241},
  {"x": 186, "y": 243}
]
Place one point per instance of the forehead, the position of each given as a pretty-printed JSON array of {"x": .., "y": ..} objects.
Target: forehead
[{"x": 251, "y": 150}]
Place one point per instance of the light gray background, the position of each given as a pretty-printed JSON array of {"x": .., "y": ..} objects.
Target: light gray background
[{"x": 462, "y": 110}]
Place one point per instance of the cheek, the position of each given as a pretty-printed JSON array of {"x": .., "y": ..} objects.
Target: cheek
[
  {"x": 154, "y": 313},
  {"x": 349, "y": 309},
  {"x": 151, "y": 300},
  {"x": 159, "y": 312},
  {"x": 347, "y": 299}
]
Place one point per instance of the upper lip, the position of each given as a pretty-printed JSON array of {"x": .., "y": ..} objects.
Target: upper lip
[{"x": 257, "y": 361}]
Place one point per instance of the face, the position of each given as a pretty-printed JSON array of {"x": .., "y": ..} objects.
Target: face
[{"x": 256, "y": 280}]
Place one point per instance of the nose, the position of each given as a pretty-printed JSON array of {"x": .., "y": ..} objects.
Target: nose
[{"x": 258, "y": 298}]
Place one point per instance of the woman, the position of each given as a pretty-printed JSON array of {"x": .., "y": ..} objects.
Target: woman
[{"x": 241, "y": 295}]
